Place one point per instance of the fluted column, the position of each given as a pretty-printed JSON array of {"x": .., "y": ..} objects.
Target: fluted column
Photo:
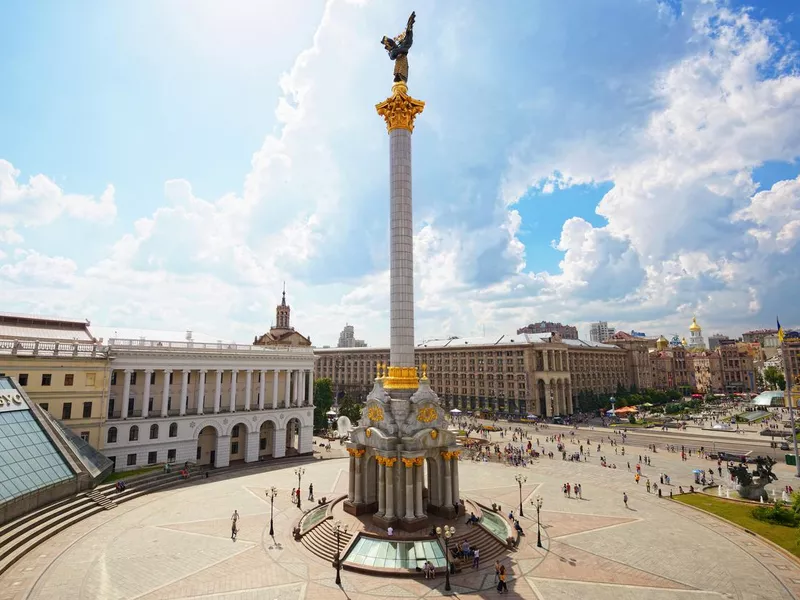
[
  {"x": 184, "y": 391},
  {"x": 248, "y": 388},
  {"x": 126, "y": 392},
  {"x": 232, "y": 404},
  {"x": 418, "y": 509},
  {"x": 275, "y": 373},
  {"x": 296, "y": 388},
  {"x": 201, "y": 390},
  {"x": 146, "y": 393},
  {"x": 381, "y": 488},
  {"x": 454, "y": 476},
  {"x": 287, "y": 390},
  {"x": 311, "y": 388},
  {"x": 389, "y": 504},
  {"x": 409, "y": 474},
  {"x": 262, "y": 390},
  {"x": 448, "y": 484},
  {"x": 351, "y": 487},
  {"x": 165, "y": 394},
  {"x": 218, "y": 392},
  {"x": 359, "y": 480}
]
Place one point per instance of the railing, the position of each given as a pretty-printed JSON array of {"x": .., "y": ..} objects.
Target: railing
[
  {"x": 207, "y": 411},
  {"x": 42, "y": 348},
  {"x": 188, "y": 345}
]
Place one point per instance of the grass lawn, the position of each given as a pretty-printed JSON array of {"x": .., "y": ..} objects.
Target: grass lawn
[
  {"x": 126, "y": 474},
  {"x": 741, "y": 514}
]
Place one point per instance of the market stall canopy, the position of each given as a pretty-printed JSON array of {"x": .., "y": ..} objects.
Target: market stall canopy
[
  {"x": 626, "y": 410},
  {"x": 455, "y": 411}
]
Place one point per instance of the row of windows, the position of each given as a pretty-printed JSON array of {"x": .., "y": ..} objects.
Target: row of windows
[
  {"x": 133, "y": 433},
  {"x": 47, "y": 379},
  {"x": 152, "y": 457},
  {"x": 66, "y": 409}
]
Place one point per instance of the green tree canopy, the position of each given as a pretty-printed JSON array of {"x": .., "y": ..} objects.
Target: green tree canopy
[
  {"x": 323, "y": 400},
  {"x": 350, "y": 408},
  {"x": 774, "y": 378}
]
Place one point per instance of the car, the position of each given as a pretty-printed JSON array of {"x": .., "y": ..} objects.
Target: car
[{"x": 784, "y": 445}]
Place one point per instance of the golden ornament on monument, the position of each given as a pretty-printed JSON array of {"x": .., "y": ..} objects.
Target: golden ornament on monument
[
  {"x": 375, "y": 413},
  {"x": 427, "y": 414}
]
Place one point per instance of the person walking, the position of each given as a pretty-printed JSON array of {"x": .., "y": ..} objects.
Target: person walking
[
  {"x": 625, "y": 498},
  {"x": 293, "y": 496},
  {"x": 310, "y": 492},
  {"x": 496, "y": 571},
  {"x": 476, "y": 558},
  {"x": 297, "y": 497},
  {"x": 501, "y": 584},
  {"x": 234, "y": 524}
]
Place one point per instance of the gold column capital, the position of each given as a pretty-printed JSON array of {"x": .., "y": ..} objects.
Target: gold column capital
[
  {"x": 401, "y": 378},
  {"x": 399, "y": 110}
]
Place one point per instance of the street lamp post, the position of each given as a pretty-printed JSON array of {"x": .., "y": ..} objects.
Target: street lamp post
[
  {"x": 338, "y": 527},
  {"x": 299, "y": 471},
  {"x": 271, "y": 495},
  {"x": 444, "y": 534},
  {"x": 520, "y": 480},
  {"x": 537, "y": 502}
]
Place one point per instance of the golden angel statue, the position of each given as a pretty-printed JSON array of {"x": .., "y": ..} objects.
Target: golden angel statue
[{"x": 398, "y": 49}]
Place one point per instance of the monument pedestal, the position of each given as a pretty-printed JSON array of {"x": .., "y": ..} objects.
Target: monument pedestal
[{"x": 360, "y": 508}]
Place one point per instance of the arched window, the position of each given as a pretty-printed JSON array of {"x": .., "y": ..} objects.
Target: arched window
[
  {"x": 111, "y": 437},
  {"x": 133, "y": 435},
  {"x": 173, "y": 430},
  {"x": 235, "y": 431},
  {"x": 153, "y": 431}
]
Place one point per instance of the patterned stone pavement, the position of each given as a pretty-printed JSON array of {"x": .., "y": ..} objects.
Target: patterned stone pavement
[{"x": 176, "y": 544}]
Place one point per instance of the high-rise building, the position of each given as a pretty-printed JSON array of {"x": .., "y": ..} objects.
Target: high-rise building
[
  {"x": 715, "y": 339},
  {"x": 347, "y": 339},
  {"x": 567, "y": 332},
  {"x": 600, "y": 331}
]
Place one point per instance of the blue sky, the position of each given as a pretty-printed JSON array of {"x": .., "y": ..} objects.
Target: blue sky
[{"x": 169, "y": 164}]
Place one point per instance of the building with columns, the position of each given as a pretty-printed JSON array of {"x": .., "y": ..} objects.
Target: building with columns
[
  {"x": 282, "y": 333},
  {"x": 515, "y": 373},
  {"x": 206, "y": 403}
]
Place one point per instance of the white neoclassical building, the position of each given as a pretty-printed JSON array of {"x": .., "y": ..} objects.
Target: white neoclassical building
[{"x": 206, "y": 403}]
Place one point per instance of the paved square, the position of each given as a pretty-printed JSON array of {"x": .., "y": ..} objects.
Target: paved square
[{"x": 176, "y": 544}]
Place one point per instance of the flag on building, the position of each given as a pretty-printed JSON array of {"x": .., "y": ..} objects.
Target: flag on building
[{"x": 780, "y": 332}]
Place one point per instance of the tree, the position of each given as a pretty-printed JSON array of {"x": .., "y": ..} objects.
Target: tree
[
  {"x": 350, "y": 408},
  {"x": 323, "y": 400},
  {"x": 774, "y": 378}
]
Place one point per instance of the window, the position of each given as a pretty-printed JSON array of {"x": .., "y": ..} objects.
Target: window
[
  {"x": 44, "y": 405},
  {"x": 66, "y": 410},
  {"x": 46, "y": 378},
  {"x": 23, "y": 379},
  {"x": 111, "y": 436},
  {"x": 199, "y": 452},
  {"x": 173, "y": 430},
  {"x": 69, "y": 379},
  {"x": 170, "y": 377},
  {"x": 235, "y": 448},
  {"x": 262, "y": 444},
  {"x": 150, "y": 405},
  {"x": 113, "y": 378},
  {"x": 153, "y": 431},
  {"x": 87, "y": 410},
  {"x": 85, "y": 436},
  {"x": 90, "y": 379},
  {"x": 153, "y": 378},
  {"x": 133, "y": 378},
  {"x": 152, "y": 458},
  {"x": 235, "y": 431},
  {"x": 133, "y": 434},
  {"x": 171, "y": 455},
  {"x": 131, "y": 460}
]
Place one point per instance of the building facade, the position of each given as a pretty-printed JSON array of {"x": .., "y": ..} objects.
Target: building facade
[
  {"x": 600, "y": 331},
  {"x": 696, "y": 341},
  {"x": 670, "y": 367},
  {"x": 637, "y": 350},
  {"x": 282, "y": 333},
  {"x": 178, "y": 401},
  {"x": 759, "y": 336},
  {"x": 706, "y": 372},
  {"x": 567, "y": 332},
  {"x": 738, "y": 374},
  {"x": 517, "y": 373},
  {"x": 715, "y": 339}
]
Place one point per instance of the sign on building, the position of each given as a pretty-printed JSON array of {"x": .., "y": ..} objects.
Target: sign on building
[{"x": 11, "y": 400}]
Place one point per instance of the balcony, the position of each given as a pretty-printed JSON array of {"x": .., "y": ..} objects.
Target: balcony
[
  {"x": 151, "y": 345},
  {"x": 192, "y": 411}
]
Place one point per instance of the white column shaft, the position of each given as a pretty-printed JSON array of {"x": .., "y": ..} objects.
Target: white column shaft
[
  {"x": 201, "y": 391},
  {"x": 248, "y": 389},
  {"x": 275, "y": 388},
  {"x": 146, "y": 394},
  {"x": 126, "y": 391},
  {"x": 287, "y": 389},
  {"x": 311, "y": 388},
  {"x": 165, "y": 394},
  {"x": 218, "y": 392},
  {"x": 232, "y": 405},
  {"x": 262, "y": 390},
  {"x": 409, "y": 473},
  {"x": 389, "y": 493},
  {"x": 381, "y": 489},
  {"x": 184, "y": 391},
  {"x": 418, "y": 508}
]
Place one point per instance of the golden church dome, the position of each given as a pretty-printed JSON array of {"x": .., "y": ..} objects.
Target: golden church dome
[
  {"x": 694, "y": 326},
  {"x": 662, "y": 343}
]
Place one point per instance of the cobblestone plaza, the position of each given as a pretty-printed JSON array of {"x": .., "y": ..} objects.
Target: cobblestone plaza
[{"x": 176, "y": 544}]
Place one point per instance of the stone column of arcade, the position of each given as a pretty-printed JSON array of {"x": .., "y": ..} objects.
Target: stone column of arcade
[{"x": 409, "y": 485}]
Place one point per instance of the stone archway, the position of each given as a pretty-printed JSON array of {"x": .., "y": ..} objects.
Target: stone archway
[
  {"x": 207, "y": 450},
  {"x": 238, "y": 441},
  {"x": 293, "y": 429},
  {"x": 266, "y": 439}
]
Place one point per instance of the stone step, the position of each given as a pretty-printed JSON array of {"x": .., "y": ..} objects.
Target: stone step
[
  {"x": 321, "y": 541},
  {"x": 101, "y": 500},
  {"x": 26, "y": 535},
  {"x": 35, "y": 514}
]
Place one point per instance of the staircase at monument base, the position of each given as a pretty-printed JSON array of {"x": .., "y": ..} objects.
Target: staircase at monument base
[{"x": 321, "y": 541}]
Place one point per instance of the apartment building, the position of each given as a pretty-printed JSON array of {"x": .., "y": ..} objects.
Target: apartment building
[
  {"x": 600, "y": 331},
  {"x": 517, "y": 373},
  {"x": 738, "y": 374},
  {"x": 670, "y": 367},
  {"x": 567, "y": 332},
  {"x": 706, "y": 372},
  {"x": 637, "y": 355},
  {"x": 61, "y": 368}
]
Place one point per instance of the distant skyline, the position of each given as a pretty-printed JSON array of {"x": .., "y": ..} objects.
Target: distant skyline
[{"x": 168, "y": 165}]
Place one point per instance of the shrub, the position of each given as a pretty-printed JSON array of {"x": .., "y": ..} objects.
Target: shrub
[{"x": 777, "y": 515}]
